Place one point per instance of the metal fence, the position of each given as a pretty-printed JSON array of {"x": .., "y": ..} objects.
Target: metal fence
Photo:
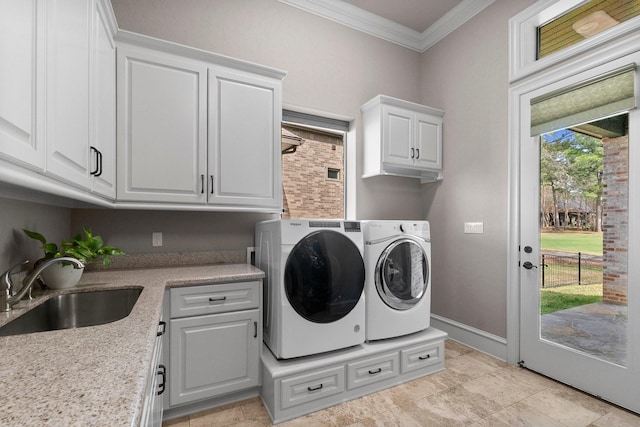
[{"x": 561, "y": 269}]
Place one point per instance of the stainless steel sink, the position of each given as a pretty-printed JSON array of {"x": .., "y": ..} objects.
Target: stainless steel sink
[{"x": 75, "y": 310}]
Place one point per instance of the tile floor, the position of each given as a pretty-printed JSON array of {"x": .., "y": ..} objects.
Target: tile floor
[{"x": 475, "y": 390}]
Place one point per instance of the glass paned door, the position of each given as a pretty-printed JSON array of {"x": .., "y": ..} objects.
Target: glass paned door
[{"x": 579, "y": 193}]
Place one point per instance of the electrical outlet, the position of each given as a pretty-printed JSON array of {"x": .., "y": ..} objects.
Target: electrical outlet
[
  {"x": 474, "y": 227},
  {"x": 156, "y": 238}
]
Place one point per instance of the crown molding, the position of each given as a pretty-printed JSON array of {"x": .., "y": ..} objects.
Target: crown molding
[{"x": 374, "y": 25}]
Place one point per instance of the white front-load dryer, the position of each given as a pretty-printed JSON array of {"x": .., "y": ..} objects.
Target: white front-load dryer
[
  {"x": 314, "y": 285},
  {"x": 398, "y": 283}
]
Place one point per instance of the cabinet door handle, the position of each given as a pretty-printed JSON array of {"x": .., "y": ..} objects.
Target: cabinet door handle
[
  {"x": 100, "y": 162},
  {"x": 375, "y": 371},
  {"x": 212, "y": 299},
  {"x": 428, "y": 356},
  {"x": 94, "y": 150},
  {"x": 202, "y": 184},
  {"x": 316, "y": 388},
  {"x": 417, "y": 153},
  {"x": 162, "y": 371},
  {"x": 413, "y": 153},
  {"x": 162, "y": 327},
  {"x": 255, "y": 329},
  {"x": 211, "y": 184}
]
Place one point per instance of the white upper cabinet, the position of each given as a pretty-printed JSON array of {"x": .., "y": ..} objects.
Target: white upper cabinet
[
  {"x": 402, "y": 138},
  {"x": 67, "y": 90},
  {"x": 196, "y": 130},
  {"x": 57, "y": 109},
  {"x": 162, "y": 127},
  {"x": 244, "y": 155},
  {"x": 102, "y": 127},
  {"x": 80, "y": 94},
  {"x": 18, "y": 83}
]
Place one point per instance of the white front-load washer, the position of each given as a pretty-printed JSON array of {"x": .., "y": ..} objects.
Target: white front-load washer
[
  {"x": 398, "y": 285},
  {"x": 314, "y": 285}
]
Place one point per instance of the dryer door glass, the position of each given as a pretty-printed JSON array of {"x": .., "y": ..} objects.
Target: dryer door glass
[
  {"x": 324, "y": 276},
  {"x": 402, "y": 274}
]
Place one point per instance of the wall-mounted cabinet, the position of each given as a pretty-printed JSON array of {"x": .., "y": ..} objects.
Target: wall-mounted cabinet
[
  {"x": 21, "y": 36},
  {"x": 402, "y": 138},
  {"x": 80, "y": 95},
  {"x": 58, "y": 105},
  {"x": 196, "y": 129}
]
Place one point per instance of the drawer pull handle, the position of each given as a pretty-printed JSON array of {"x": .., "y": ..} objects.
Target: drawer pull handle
[
  {"x": 316, "y": 388},
  {"x": 375, "y": 371},
  {"x": 428, "y": 356},
  {"x": 162, "y": 371},
  {"x": 212, "y": 299},
  {"x": 162, "y": 327}
]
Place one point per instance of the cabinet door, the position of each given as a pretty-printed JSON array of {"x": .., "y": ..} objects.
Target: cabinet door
[
  {"x": 67, "y": 90},
  {"x": 162, "y": 127},
  {"x": 244, "y": 140},
  {"x": 213, "y": 355},
  {"x": 428, "y": 142},
  {"x": 397, "y": 136},
  {"x": 18, "y": 48},
  {"x": 103, "y": 104}
]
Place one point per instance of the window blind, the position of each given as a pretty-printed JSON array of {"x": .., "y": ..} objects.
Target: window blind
[{"x": 587, "y": 101}]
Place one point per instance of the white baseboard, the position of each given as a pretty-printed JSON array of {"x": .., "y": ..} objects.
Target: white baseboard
[{"x": 468, "y": 335}]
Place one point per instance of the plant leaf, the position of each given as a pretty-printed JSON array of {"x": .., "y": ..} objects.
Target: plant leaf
[{"x": 36, "y": 236}]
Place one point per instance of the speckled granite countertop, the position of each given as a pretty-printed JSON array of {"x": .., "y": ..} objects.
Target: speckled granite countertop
[{"x": 94, "y": 376}]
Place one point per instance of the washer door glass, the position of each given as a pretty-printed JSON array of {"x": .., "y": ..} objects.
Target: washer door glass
[
  {"x": 324, "y": 276},
  {"x": 402, "y": 274}
]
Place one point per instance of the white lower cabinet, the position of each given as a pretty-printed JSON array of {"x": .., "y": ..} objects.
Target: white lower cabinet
[
  {"x": 296, "y": 387},
  {"x": 217, "y": 351},
  {"x": 299, "y": 389},
  {"x": 371, "y": 370},
  {"x": 153, "y": 403}
]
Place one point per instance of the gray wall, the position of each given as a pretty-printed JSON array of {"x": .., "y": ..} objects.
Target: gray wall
[
  {"x": 466, "y": 75},
  {"x": 50, "y": 221}
]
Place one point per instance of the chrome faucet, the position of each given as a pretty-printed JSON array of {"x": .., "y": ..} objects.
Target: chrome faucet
[{"x": 7, "y": 297}]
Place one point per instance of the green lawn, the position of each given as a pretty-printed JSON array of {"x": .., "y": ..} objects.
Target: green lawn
[
  {"x": 587, "y": 243},
  {"x": 555, "y": 299}
]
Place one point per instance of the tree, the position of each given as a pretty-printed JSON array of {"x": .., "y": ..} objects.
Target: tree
[{"x": 571, "y": 164}]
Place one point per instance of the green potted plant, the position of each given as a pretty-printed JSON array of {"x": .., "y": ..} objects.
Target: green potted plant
[{"x": 85, "y": 247}]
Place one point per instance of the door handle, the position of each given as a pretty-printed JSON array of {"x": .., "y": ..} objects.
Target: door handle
[
  {"x": 528, "y": 265},
  {"x": 418, "y": 153},
  {"x": 413, "y": 153}
]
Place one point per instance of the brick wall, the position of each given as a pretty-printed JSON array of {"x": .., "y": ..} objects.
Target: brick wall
[
  {"x": 615, "y": 219},
  {"x": 308, "y": 192}
]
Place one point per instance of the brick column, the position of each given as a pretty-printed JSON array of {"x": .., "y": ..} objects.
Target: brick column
[{"x": 615, "y": 219}]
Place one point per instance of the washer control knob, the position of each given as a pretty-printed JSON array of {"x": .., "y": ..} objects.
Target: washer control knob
[{"x": 403, "y": 228}]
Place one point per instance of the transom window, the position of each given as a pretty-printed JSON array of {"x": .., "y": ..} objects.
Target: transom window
[{"x": 582, "y": 22}]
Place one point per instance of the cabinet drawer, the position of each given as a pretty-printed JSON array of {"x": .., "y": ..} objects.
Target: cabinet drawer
[
  {"x": 300, "y": 389},
  {"x": 372, "y": 370},
  {"x": 421, "y": 356},
  {"x": 211, "y": 299}
]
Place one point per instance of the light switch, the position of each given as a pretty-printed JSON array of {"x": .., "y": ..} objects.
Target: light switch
[{"x": 474, "y": 227}]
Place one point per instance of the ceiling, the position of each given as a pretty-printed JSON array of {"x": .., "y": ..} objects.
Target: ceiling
[
  {"x": 415, "y": 14},
  {"x": 414, "y": 24}
]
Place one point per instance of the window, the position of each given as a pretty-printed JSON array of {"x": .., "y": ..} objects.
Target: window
[
  {"x": 313, "y": 166},
  {"x": 583, "y": 22},
  {"x": 552, "y": 31}
]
